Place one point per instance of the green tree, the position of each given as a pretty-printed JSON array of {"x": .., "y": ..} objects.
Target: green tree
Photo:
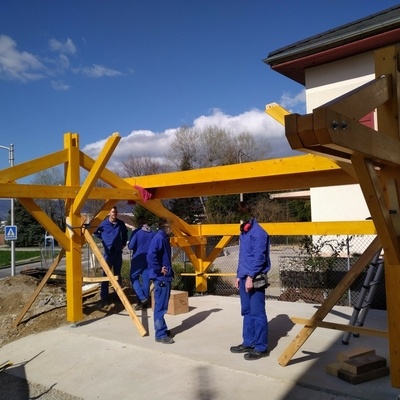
[
  {"x": 30, "y": 232},
  {"x": 190, "y": 209},
  {"x": 54, "y": 208}
]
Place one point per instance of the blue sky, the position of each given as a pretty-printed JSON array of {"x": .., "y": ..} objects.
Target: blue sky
[{"x": 145, "y": 68}]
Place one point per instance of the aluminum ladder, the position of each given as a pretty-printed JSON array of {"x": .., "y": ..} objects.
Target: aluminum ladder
[{"x": 366, "y": 296}]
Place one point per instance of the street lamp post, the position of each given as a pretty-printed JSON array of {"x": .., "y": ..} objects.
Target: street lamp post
[{"x": 11, "y": 161}]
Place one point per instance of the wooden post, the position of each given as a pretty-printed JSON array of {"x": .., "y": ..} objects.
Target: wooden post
[{"x": 114, "y": 283}]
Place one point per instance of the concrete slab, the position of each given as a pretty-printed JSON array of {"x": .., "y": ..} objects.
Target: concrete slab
[{"x": 107, "y": 358}]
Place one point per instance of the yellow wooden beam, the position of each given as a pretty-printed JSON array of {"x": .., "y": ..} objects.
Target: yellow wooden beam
[
  {"x": 95, "y": 172},
  {"x": 114, "y": 282},
  {"x": 39, "y": 288},
  {"x": 185, "y": 241},
  {"x": 297, "y": 228},
  {"x": 45, "y": 221},
  {"x": 32, "y": 167},
  {"x": 340, "y": 327},
  {"x": 297, "y": 165},
  {"x": 107, "y": 176},
  {"x": 387, "y": 62},
  {"x": 330, "y": 302},
  {"x": 277, "y": 112},
  {"x": 261, "y": 176},
  {"x": 17, "y": 190},
  {"x": 74, "y": 234}
]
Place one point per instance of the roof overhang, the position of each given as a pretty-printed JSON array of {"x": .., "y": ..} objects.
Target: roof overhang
[{"x": 367, "y": 34}]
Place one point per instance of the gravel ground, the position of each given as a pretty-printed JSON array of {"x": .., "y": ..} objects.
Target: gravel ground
[{"x": 14, "y": 388}]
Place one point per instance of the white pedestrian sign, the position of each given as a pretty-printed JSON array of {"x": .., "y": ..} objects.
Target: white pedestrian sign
[{"x": 11, "y": 232}]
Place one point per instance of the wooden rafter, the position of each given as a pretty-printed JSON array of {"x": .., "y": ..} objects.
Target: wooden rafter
[{"x": 334, "y": 130}]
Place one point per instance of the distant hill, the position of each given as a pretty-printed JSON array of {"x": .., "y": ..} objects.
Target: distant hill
[{"x": 4, "y": 209}]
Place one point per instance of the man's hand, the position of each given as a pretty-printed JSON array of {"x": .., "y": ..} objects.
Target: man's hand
[
  {"x": 237, "y": 283},
  {"x": 164, "y": 271},
  {"x": 248, "y": 284}
]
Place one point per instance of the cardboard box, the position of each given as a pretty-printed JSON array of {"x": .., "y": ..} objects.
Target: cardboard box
[{"x": 178, "y": 302}]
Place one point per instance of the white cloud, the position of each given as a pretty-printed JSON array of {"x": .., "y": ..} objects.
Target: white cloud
[
  {"x": 156, "y": 144},
  {"x": 58, "y": 85},
  {"x": 68, "y": 47},
  {"x": 23, "y": 66},
  {"x": 97, "y": 71},
  {"x": 17, "y": 65},
  {"x": 290, "y": 102}
]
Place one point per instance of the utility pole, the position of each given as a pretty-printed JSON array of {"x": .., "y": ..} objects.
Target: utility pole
[{"x": 11, "y": 162}]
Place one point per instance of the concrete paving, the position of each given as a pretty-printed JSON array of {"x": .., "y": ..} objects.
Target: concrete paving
[{"x": 108, "y": 359}]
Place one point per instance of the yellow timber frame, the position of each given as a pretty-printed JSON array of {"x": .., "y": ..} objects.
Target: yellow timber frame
[
  {"x": 340, "y": 151},
  {"x": 373, "y": 158}
]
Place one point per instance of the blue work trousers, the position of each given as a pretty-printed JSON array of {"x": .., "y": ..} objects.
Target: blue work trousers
[
  {"x": 114, "y": 261},
  {"x": 255, "y": 323},
  {"x": 140, "y": 282},
  {"x": 162, "y": 292}
]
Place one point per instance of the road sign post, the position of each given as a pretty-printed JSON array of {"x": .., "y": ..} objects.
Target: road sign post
[{"x": 10, "y": 232}]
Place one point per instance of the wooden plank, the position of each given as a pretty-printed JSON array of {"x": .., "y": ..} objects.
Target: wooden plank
[
  {"x": 394, "y": 204},
  {"x": 372, "y": 189},
  {"x": 291, "y": 132},
  {"x": 358, "y": 139},
  {"x": 331, "y": 301},
  {"x": 277, "y": 112},
  {"x": 114, "y": 283},
  {"x": 339, "y": 327},
  {"x": 354, "y": 353},
  {"x": 386, "y": 63},
  {"x": 96, "y": 278},
  {"x": 362, "y": 100},
  {"x": 99, "y": 165},
  {"x": 44, "y": 220},
  {"x": 363, "y": 364},
  {"x": 5, "y": 365},
  {"x": 305, "y": 130},
  {"x": 365, "y": 227},
  {"x": 333, "y": 368},
  {"x": 38, "y": 289},
  {"x": 367, "y": 376}
]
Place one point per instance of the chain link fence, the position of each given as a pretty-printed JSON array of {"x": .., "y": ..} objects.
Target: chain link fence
[{"x": 298, "y": 273}]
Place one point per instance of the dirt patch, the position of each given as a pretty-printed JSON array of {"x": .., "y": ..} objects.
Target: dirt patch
[{"x": 49, "y": 310}]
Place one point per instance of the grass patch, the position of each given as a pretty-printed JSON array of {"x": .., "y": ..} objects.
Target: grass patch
[{"x": 20, "y": 256}]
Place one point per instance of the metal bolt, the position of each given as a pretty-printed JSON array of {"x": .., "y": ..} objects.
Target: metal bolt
[
  {"x": 343, "y": 125},
  {"x": 335, "y": 125}
]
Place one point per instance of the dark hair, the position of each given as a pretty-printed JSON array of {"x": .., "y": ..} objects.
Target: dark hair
[
  {"x": 162, "y": 223},
  {"x": 141, "y": 220}
]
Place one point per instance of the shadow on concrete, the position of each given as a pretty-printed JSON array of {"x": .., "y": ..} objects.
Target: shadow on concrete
[
  {"x": 193, "y": 321},
  {"x": 278, "y": 328},
  {"x": 205, "y": 389}
]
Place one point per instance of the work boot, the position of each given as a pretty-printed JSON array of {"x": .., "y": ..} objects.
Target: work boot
[
  {"x": 241, "y": 349},
  {"x": 142, "y": 304}
]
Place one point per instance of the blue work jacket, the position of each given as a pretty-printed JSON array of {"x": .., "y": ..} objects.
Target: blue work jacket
[
  {"x": 254, "y": 248},
  {"x": 158, "y": 256},
  {"x": 139, "y": 244},
  {"x": 113, "y": 236}
]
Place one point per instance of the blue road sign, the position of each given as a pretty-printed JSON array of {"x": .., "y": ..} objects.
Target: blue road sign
[{"x": 11, "y": 232}]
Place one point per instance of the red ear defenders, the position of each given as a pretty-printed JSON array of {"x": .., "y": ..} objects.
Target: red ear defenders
[{"x": 245, "y": 227}]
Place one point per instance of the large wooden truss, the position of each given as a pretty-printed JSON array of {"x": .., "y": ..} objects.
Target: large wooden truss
[
  {"x": 340, "y": 151},
  {"x": 373, "y": 156}
]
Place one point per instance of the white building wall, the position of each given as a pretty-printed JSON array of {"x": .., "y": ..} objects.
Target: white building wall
[{"x": 323, "y": 84}]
